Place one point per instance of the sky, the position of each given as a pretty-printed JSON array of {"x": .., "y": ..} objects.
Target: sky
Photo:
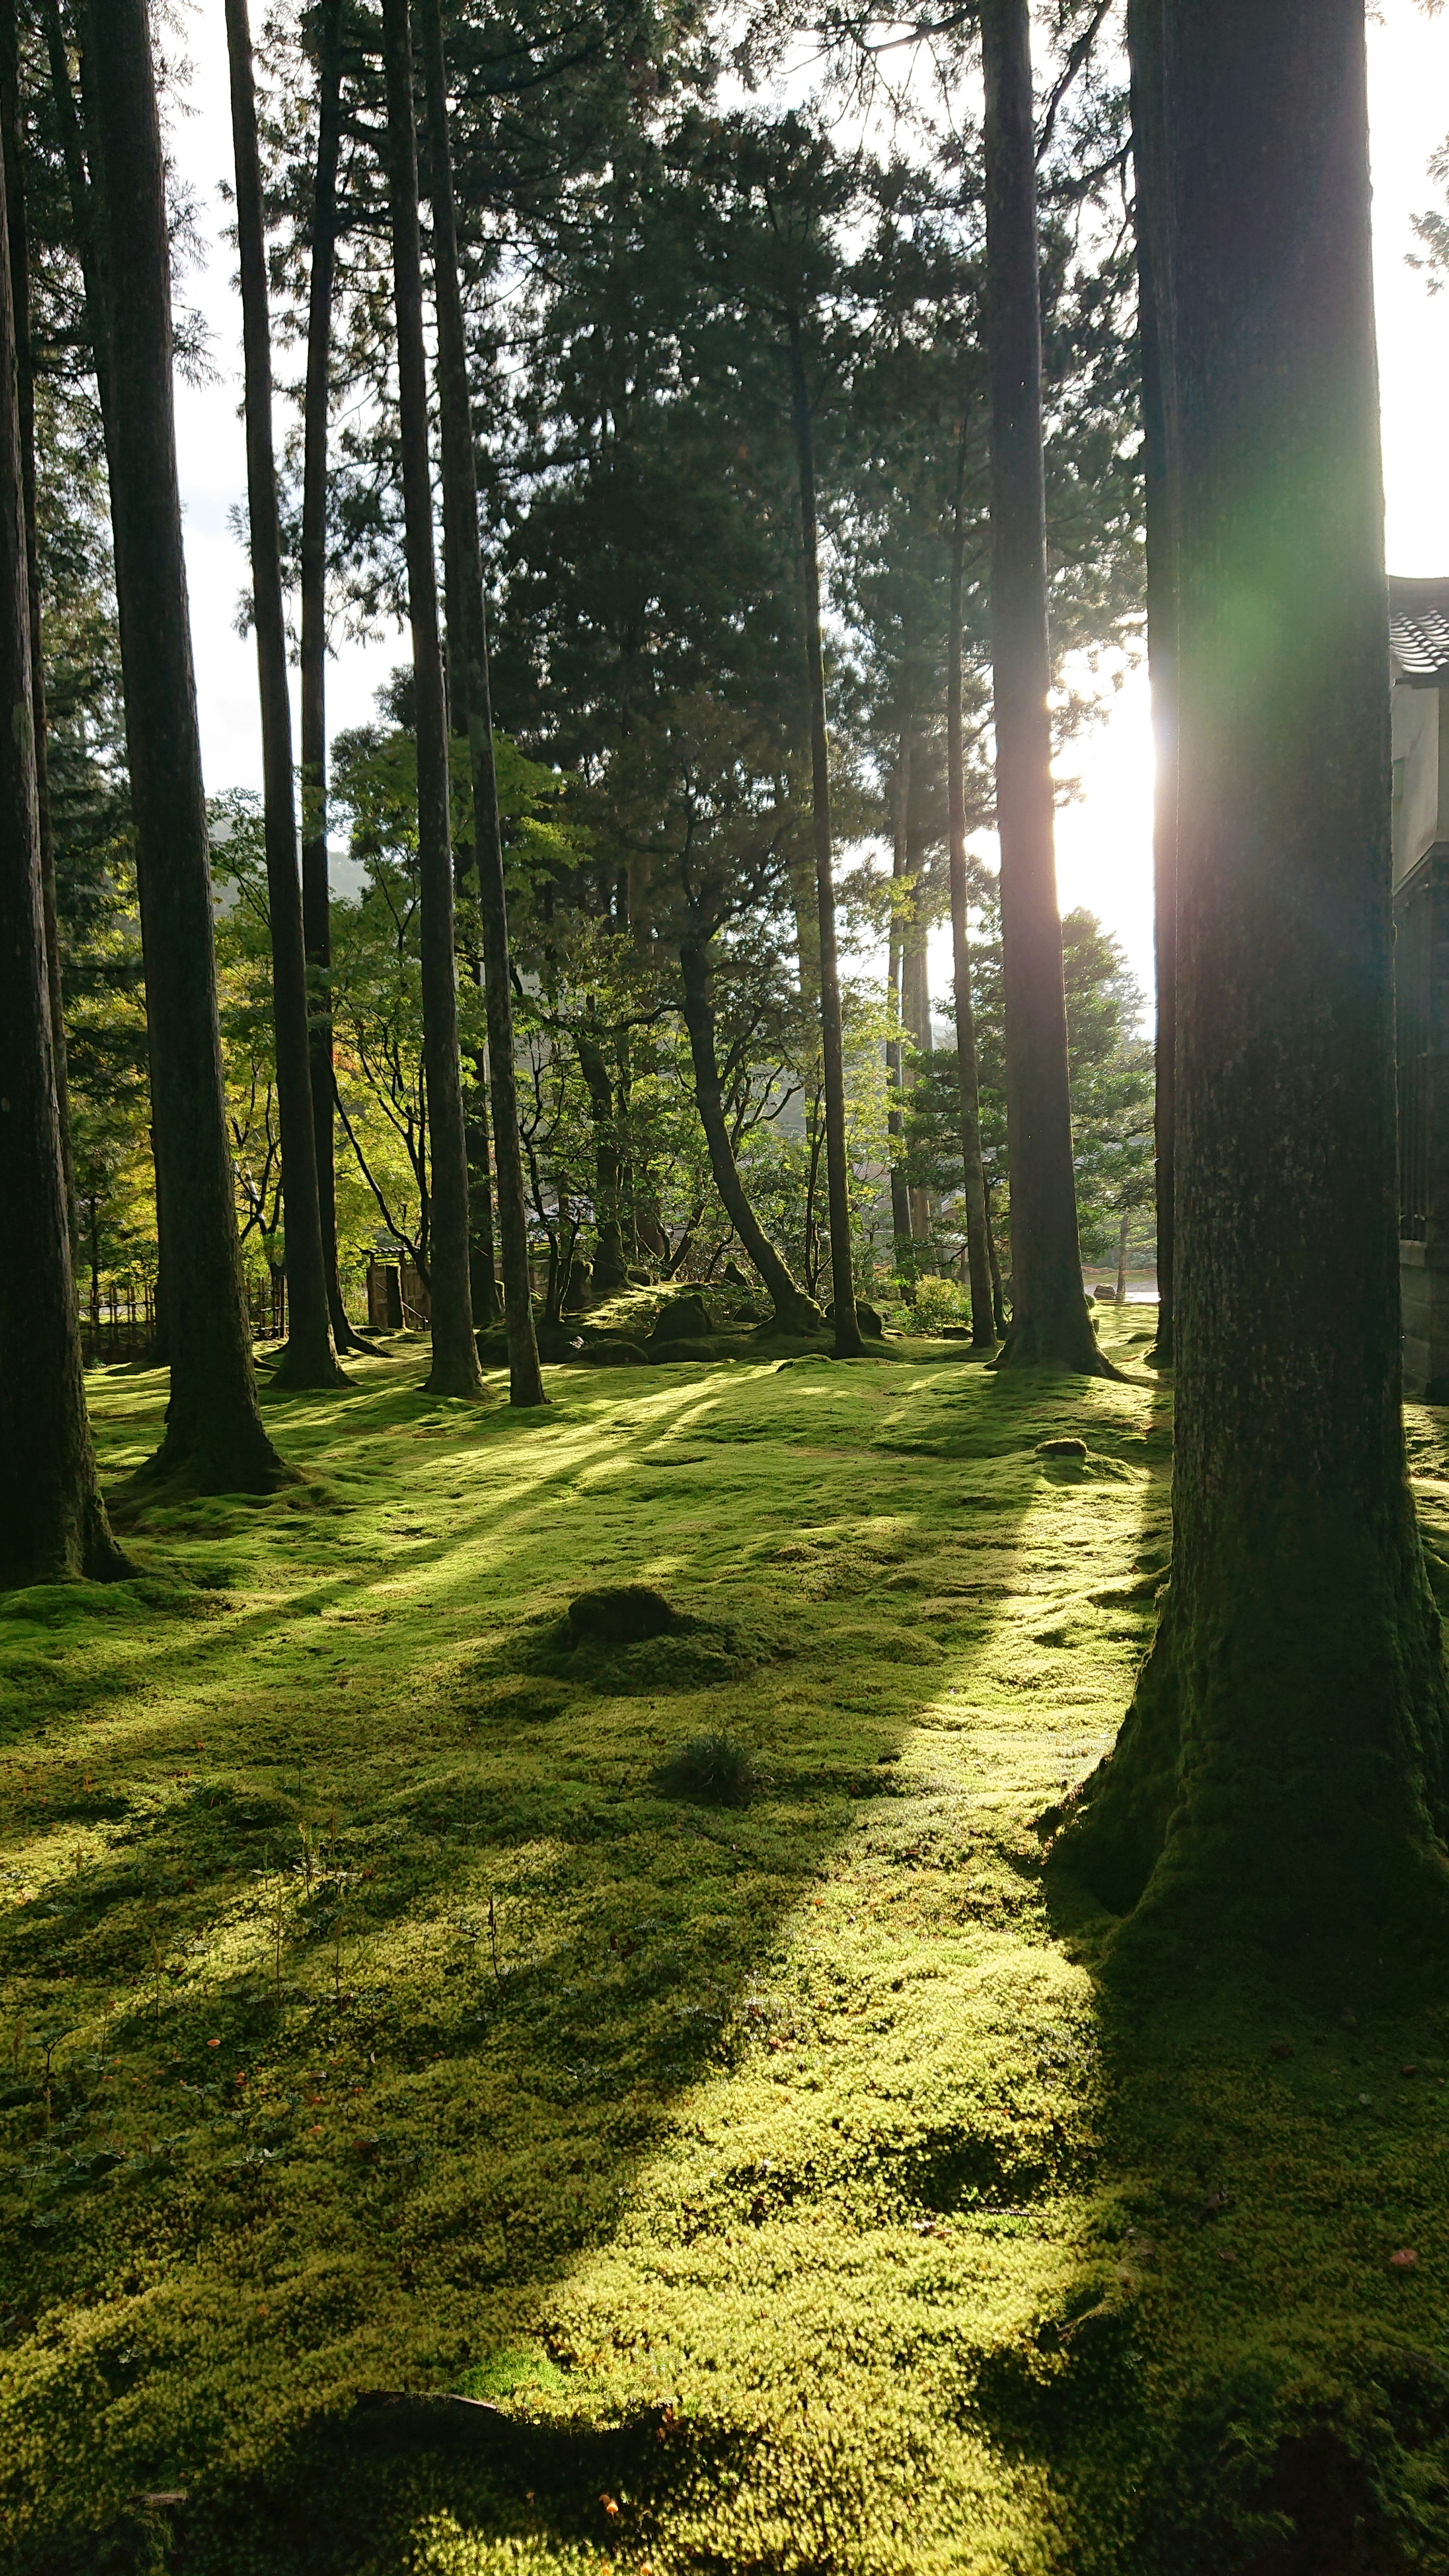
[{"x": 1104, "y": 834}]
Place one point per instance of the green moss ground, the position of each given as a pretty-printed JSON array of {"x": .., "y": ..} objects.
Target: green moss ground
[{"x": 785, "y": 2178}]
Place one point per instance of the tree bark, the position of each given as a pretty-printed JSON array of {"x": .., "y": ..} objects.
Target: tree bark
[
  {"x": 848, "y": 1343},
  {"x": 968, "y": 1083},
  {"x": 316, "y": 887},
  {"x": 470, "y": 647},
  {"x": 52, "y": 1520},
  {"x": 1149, "y": 157},
  {"x": 794, "y": 1311},
  {"x": 1280, "y": 1776},
  {"x": 308, "y": 1359},
  {"x": 610, "y": 1268},
  {"x": 214, "y": 1430},
  {"x": 455, "y": 1353},
  {"x": 19, "y": 251},
  {"x": 1050, "y": 1319},
  {"x": 482, "y": 1247},
  {"x": 895, "y": 1076}
]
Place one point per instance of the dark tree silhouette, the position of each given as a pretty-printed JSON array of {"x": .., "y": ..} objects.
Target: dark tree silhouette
[
  {"x": 214, "y": 1431},
  {"x": 52, "y": 1521},
  {"x": 468, "y": 646},
  {"x": 316, "y": 889},
  {"x": 1050, "y": 1321},
  {"x": 455, "y": 1353},
  {"x": 848, "y": 1344},
  {"x": 978, "y": 1255},
  {"x": 309, "y": 1359},
  {"x": 1281, "y": 1772}
]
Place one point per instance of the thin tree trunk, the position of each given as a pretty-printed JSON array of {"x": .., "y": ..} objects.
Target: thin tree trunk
[
  {"x": 309, "y": 1359},
  {"x": 19, "y": 241},
  {"x": 214, "y": 1430},
  {"x": 916, "y": 988},
  {"x": 52, "y": 1520},
  {"x": 1281, "y": 1774},
  {"x": 1149, "y": 158},
  {"x": 470, "y": 647},
  {"x": 848, "y": 1343},
  {"x": 482, "y": 1248},
  {"x": 610, "y": 1269},
  {"x": 794, "y": 1311},
  {"x": 968, "y": 1082},
  {"x": 1122, "y": 1233},
  {"x": 1050, "y": 1321},
  {"x": 316, "y": 888},
  {"x": 999, "y": 1314},
  {"x": 455, "y": 1353},
  {"x": 80, "y": 188},
  {"x": 895, "y": 1076}
]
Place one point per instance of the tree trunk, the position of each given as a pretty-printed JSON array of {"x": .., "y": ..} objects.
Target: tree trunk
[
  {"x": 309, "y": 1359},
  {"x": 482, "y": 1249},
  {"x": 999, "y": 1314},
  {"x": 895, "y": 1077},
  {"x": 455, "y": 1353},
  {"x": 470, "y": 647},
  {"x": 1281, "y": 1773},
  {"x": 848, "y": 1344},
  {"x": 214, "y": 1430},
  {"x": 610, "y": 1268},
  {"x": 1149, "y": 157},
  {"x": 794, "y": 1311},
  {"x": 1122, "y": 1233},
  {"x": 19, "y": 241},
  {"x": 978, "y": 1261},
  {"x": 52, "y": 1520},
  {"x": 316, "y": 887},
  {"x": 916, "y": 1000},
  {"x": 1050, "y": 1319},
  {"x": 81, "y": 190}
]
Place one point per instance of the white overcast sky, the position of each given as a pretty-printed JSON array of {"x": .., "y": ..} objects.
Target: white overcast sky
[{"x": 1104, "y": 839}]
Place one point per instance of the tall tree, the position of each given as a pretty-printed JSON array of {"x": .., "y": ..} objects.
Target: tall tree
[
  {"x": 895, "y": 1125},
  {"x": 309, "y": 1359},
  {"x": 214, "y": 1430},
  {"x": 1050, "y": 1322},
  {"x": 455, "y": 1352},
  {"x": 468, "y": 647},
  {"x": 52, "y": 1520},
  {"x": 1149, "y": 164},
  {"x": 1281, "y": 1774},
  {"x": 978, "y": 1256},
  {"x": 316, "y": 887},
  {"x": 848, "y": 1344}
]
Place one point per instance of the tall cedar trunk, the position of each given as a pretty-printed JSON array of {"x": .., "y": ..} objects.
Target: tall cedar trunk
[
  {"x": 1123, "y": 1231},
  {"x": 895, "y": 1076},
  {"x": 214, "y": 1431},
  {"x": 968, "y": 1083},
  {"x": 794, "y": 1311},
  {"x": 848, "y": 1344},
  {"x": 916, "y": 987},
  {"x": 460, "y": 509},
  {"x": 1149, "y": 159},
  {"x": 455, "y": 1355},
  {"x": 1282, "y": 1768},
  {"x": 482, "y": 1250},
  {"x": 309, "y": 1359},
  {"x": 1050, "y": 1319},
  {"x": 316, "y": 888},
  {"x": 52, "y": 1521},
  {"x": 18, "y": 234}
]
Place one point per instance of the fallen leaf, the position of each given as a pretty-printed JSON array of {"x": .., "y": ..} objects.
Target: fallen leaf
[{"x": 1404, "y": 2260}]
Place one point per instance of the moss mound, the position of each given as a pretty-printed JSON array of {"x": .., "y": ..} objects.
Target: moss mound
[{"x": 619, "y": 1616}]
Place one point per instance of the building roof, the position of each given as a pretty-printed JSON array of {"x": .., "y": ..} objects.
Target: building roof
[{"x": 1419, "y": 631}]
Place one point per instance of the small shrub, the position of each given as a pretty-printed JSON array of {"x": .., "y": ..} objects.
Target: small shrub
[
  {"x": 713, "y": 1770},
  {"x": 935, "y": 1302}
]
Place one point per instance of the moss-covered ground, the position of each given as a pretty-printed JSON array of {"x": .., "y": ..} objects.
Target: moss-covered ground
[{"x": 784, "y": 2178}]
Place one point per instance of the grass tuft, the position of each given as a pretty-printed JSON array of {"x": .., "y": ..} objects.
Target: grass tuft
[{"x": 714, "y": 1770}]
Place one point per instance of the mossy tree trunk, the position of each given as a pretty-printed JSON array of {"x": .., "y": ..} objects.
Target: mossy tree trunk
[
  {"x": 470, "y": 650},
  {"x": 1050, "y": 1322},
  {"x": 794, "y": 1311},
  {"x": 308, "y": 1359},
  {"x": 968, "y": 1085},
  {"x": 455, "y": 1353},
  {"x": 1154, "y": 304},
  {"x": 214, "y": 1431},
  {"x": 848, "y": 1344},
  {"x": 1281, "y": 1773},
  {"x": 52, "y": 1521}
]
